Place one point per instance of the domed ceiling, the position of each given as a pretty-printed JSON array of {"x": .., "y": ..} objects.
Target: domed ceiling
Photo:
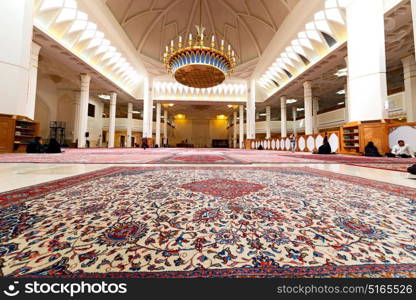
[{"x": 248, "y": 25}]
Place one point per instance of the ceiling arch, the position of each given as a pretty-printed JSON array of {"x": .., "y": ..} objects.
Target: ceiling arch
[{"x": 248, "y": 25}]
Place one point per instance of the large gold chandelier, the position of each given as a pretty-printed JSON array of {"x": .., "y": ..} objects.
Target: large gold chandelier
[{"x": 199, "y": 64}]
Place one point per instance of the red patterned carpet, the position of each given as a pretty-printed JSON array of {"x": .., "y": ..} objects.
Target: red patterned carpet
[
  {"x": 341, "y": 158},
  {"x": 399, "y": 167},
  {"x": 91, "y": 156},
  {"x": 209, "y": 222},
  {"x": 199, "y": 157}
]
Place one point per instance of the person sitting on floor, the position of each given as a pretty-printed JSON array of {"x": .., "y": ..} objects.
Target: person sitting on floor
[
  {"x": 412, "y": 170},
  {"x": 260, "y": 148},
  {"x": 401, "y": 150},
  {"x": 325, "y": 148},
  {"x": 53, "y": 147},
  {"x": 35, "y": 146},
  {"x": 371, "y": 150}
]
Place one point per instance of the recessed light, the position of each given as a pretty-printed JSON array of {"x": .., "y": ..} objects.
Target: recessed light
[
  {"x": 341, "y": 103},
  {"x": 342, "y": 72},
  {"x": 105, "y": 97}
]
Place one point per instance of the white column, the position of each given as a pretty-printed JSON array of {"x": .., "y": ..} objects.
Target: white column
[
  {"x": 147, "y": 108},
  {"x": 165, "y": 127},
  {"x": 235, "y": 129},
  {"x": 33, "y": 79},
  {"x": 251, "y": 111},
  {"x": 413, "y": 7},
  {"x": 308, "y": 107},
  {"x": 129, "y": 124},
  {"x": 158, "y": 115},
  {"x": 347, "y": 91},
  {"x": 409, "y": 68},
  {"x": 83, "y": 110},
  {"x": 77, "y": 100},
  {"x": 283, "y": 117},
  {"x": 268, "y": 120},
  {"x": 366, "y": 61},
  {"x": 241, "y": 137},
  {"x": 15, "y": 57},
  {"x": 294, "y": 117},
  {"x": 112, "y": 121},
  {"x": 315, "y": 109}
]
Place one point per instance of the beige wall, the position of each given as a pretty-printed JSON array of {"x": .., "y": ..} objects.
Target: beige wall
[
  {"x": 55, "y": 104},
  {"x": 200, "y": 133}
]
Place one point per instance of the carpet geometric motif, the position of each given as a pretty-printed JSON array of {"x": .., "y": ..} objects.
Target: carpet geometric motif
[{"x": 169, "y": 222}]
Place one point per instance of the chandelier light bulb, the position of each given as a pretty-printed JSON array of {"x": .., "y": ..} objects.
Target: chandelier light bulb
[{"x": 180, "y": 39}]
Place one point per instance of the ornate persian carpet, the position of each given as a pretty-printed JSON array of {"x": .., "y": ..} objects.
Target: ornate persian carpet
[
  {"x": 90, "y": 156},
  {"x": 198, "y": 158},
  {"x": 350, "y": 159},
  {"x": 383, "y": 166},
  {"x": 209, "y": 222}
]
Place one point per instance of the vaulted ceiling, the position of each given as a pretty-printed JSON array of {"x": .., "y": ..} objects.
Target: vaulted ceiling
[{"x": 248, "y": 25}]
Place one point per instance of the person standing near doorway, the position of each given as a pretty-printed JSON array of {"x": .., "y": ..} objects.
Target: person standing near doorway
[{"x": 292, "y": 139}]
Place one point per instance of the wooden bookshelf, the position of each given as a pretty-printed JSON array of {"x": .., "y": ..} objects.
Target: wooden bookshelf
[
  {"x": 16, "y": 132},
  {"x": 356, "y": 135},
  {"x": 351, "y": 139}
]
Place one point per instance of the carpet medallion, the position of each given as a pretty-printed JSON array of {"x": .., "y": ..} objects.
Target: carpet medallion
[
  {"x": 209, "y": 222},
  {"x": 198, "y": 158}
]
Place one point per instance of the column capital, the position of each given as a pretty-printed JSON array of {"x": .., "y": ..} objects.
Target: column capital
[
  {"x": 35, "y": 49},
  {"x": 307, "y": 84},
  {"x": 85, "y": 77},
  {"x": 283, "y": 102},
  {"x": 113, "y": 98}
]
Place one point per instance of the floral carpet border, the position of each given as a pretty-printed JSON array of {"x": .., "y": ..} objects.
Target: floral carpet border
[{"x": 326, "y": 271}]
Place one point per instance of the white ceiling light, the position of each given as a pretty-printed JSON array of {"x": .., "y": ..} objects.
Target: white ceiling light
[
  {"x": 300, "y": 109},
  {"x": 342, "y": 72},
  {"x": 291, "y": 101},
  {"x": 341, "y": 92},
  {"x": 341, "y": 103},
  {"x": 136, "y": 112},
  {"x": 105, "y": 97}
]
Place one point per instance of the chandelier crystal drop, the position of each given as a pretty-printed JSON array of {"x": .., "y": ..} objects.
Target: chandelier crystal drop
[{"x": 199, "y": 63}]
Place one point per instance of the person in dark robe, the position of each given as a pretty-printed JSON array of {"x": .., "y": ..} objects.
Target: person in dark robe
[
  {"x": 325, "y": 148},
  {"x": 144, "y": 144},
  {"x": 35, "y": 146},
  {"x": 412, "y": 170},
  {"x": 53, "y": 147},
  {"x": 371, "y": 150}
]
